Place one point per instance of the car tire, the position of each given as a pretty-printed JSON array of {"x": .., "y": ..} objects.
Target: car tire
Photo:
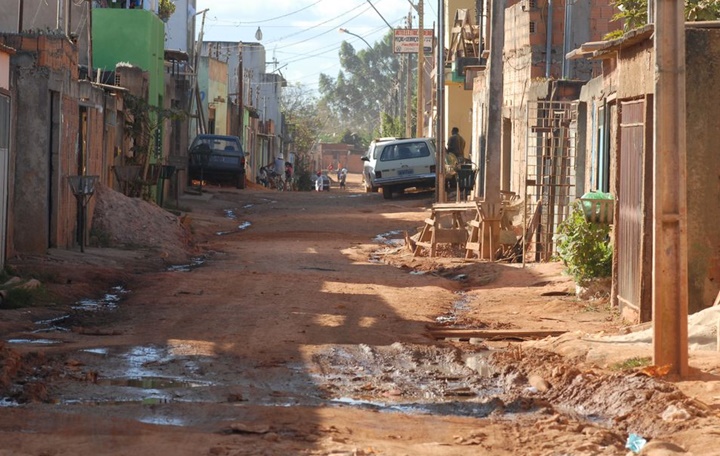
[
  {"x": 387, "y": 192},
  {"x": 240, "y": 181}
]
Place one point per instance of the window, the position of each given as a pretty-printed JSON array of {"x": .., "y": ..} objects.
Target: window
[
  {"x": 532, "y": 26},
  {"x": 404, "y": 151}
]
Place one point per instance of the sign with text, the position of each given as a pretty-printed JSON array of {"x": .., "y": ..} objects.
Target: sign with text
[{"x": 405, "y": 41}]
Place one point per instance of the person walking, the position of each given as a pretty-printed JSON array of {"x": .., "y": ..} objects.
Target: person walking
[{"x": 456, "y": 146}]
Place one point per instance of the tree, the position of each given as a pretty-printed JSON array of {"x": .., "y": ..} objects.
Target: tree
[
  {"x": 633, "y": 13},
  {"x": 303, "y": 116},
  {"x": 143, "y": 124},
  {"x": 367, "y": 86}
]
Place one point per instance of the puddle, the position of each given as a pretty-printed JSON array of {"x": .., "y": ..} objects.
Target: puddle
[
  {"x": 412, "y": 379},
  {"x": 34, "y": 341},
  {"x": 230, "y": 213},
  {"x": 139, "y": 357},
  {"x": 458, "y": 307},
  {"x": 151, "y": 383},
  {"x": 108, "y": 302},
  {"x": 390, "y": 238},
  {"x": 163, "y": 421},
  {"x": 194, "y": 264},
  {"x": 7, "y": 402},
  {"x": 96, "y": 351},
  {"x": 50, "y": 325},
  {"x": 241, "y": 227}
]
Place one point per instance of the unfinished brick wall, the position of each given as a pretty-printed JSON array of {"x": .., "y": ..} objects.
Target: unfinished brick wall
[{"x": 54, "y": 52}]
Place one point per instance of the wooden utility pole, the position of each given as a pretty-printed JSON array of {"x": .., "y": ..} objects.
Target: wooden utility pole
[
  {"x": 408, "y": 88},
  {"x": 493, "y": 127},
  {"x": 440, "y": 194},
  {"x": 669, "y": 275},
  {"x": 421, "y": 74}
]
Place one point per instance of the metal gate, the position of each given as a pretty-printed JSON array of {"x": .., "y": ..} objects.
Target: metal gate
[
  {"x": 549, "y": 175},
  {"x": 633, "y": 190}
]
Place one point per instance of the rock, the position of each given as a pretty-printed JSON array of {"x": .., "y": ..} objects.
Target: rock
[
  {"x": 539, "y": 383},
  {"x": 31, "y": 284},
  {"x": 660, "y": 448},
  {"x": 12, "y": 281},
  {"x": 674, "y": 414}
]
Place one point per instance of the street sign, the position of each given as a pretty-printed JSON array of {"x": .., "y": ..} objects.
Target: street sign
[{"x": 405, "y": 41}]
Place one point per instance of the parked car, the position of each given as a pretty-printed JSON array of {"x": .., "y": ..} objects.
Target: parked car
[
  {"x": 217, "y": 158},
  {"x": 393, "y": 165},
  {"x": 370, "y": 158}
]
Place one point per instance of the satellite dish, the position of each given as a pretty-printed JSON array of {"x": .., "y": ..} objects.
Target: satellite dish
[{"x": 258, "y": 34}]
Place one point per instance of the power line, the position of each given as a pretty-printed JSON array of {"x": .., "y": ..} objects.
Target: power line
[
  {"x": 275, "y": 18},
  {"x": 321, "y": 23}
]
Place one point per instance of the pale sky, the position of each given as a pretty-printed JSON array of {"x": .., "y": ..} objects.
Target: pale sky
[{"x": 303, "y": 35}]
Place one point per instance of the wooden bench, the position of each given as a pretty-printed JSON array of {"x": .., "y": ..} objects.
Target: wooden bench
[{"x": 446, "y": 225}]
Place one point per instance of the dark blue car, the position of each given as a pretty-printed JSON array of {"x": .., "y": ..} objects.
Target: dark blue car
[{"x": 217, "y": 158}]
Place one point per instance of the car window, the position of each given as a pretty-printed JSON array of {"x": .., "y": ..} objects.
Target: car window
[
  {"x": 404, "y": 151},
  {"x": 220, "y": 144}
]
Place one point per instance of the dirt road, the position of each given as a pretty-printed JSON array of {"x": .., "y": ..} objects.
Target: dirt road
[{"x": 301, "y": 325}]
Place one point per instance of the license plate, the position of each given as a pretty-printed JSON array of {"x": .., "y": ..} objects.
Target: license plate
[
  {"x": 226, "y": 160},
  {"x": 405, "y": 172}
]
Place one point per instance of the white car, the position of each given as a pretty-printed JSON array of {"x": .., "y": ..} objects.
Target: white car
[{"x": 394, "y": 165}]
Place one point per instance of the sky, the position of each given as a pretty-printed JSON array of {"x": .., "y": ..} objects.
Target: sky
[{"x": 302, "y": 37}]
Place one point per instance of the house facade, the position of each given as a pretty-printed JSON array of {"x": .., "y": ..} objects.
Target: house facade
[
  {"x": 620, "y": 126},
  {"x": 5, "y": 106},
  {"x": 60, "y": 123}
]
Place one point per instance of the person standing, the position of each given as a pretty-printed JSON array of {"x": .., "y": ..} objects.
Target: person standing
[{"x": 456, "y": 146}]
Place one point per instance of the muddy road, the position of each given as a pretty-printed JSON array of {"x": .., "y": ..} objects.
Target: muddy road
[{"x": 301, "y": 325}]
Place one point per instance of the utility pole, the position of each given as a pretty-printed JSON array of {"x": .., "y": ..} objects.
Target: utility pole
[
  {"x": 493, "y": 128},
  {"x": 440, "y": 105},
  {"x": 408, "y": 88},
  {"x": 420, "y": 132},
  {"x": 669, "y": 274}
]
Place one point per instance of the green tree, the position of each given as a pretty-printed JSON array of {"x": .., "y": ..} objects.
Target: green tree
[
  {"x": 306, "y": 121},
  {"x": 633, "y": 13},
  {"x": 366, "y": 87}
]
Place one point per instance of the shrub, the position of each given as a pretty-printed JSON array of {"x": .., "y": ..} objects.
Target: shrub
[{"x": 584, "y": 247}]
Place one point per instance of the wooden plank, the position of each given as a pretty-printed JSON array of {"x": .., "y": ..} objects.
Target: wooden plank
[
  {"x": 465, "y": 205},
  {"x": 495, "y": 334}
]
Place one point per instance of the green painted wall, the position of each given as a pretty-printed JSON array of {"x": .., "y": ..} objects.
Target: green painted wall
[{"x": 134, "y": 36}]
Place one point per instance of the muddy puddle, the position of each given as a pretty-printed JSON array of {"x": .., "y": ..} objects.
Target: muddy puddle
[
  {"x": 399, "y": 378},
  {"x": 109, "y": 301},
  {"x": 195, "y": 263},
  {"x": 407, "y": 379},
  {"x": 241, "y": 227},
  {"x": 458, "y": 309}
]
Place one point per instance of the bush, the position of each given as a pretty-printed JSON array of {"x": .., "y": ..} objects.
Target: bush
[{"x": 584, "y": 247}]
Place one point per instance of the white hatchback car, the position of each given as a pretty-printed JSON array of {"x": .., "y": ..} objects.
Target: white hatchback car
[{"x": 393, "y": 165}]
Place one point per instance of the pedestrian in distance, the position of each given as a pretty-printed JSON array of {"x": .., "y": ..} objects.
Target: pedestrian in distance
[
  {"x": 456, "y": 146},
  {"x": 342, "y": 176}
]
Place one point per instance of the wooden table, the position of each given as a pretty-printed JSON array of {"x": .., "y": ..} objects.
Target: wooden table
[{"x": 446, "y": 225}]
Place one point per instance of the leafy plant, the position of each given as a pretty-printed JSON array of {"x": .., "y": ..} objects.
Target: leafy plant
[
  {"x": 633, "y": 13},
  {"x": 584, "y": 247},
  {"x": 166, "y": 9},
  {"x": 632, "y": 363},
  {"x": 143, "y": 125}
]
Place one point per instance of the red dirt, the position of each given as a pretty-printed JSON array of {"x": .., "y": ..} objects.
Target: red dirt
[{"x": 300, "y": 312}]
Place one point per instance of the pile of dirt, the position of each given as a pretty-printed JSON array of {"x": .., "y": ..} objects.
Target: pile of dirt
[
  {"x": 123, "y": 222},
  {"x": 22, "y": 376},
  {"x": 631, "y": 402}
]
